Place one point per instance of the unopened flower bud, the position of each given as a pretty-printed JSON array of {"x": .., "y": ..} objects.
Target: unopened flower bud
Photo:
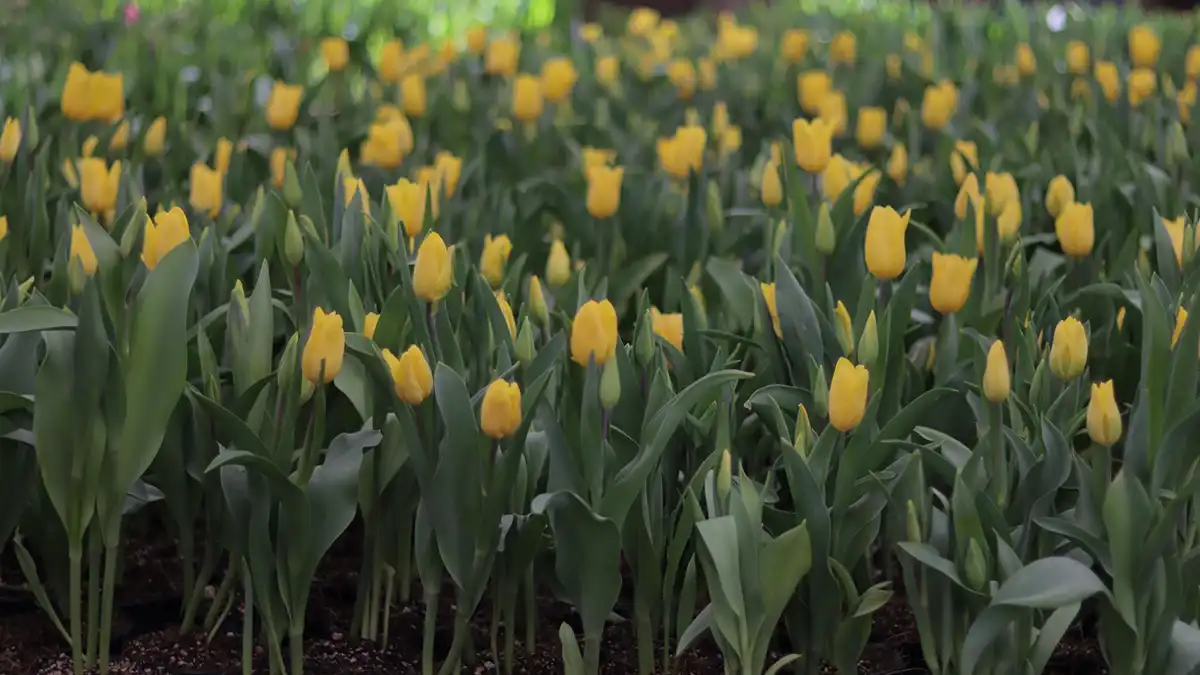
[
  {"x": 976, "y": 566},
  {"x": 803, "y": 437},
  {"x": 293, "y": 241},
  {"x": 715, "y": 210},
  {"x": 820, "y": 390},
  {"x": 292, "y": 194},
  {"x": 644, "y": 340},
  {"x": 1189, "y": 244},
  {"x": 826, "y": 235},
  {"x": 725, "y": 476},
  {"x": 524, "y": 345},
  {"x": 257, "y": 211},
  {"x": 76, "y": 276},
  {"x": 1177, "y": 145},
  {"x": 914, "y": 523},
  {"x": 868, "y": 342},
  {"x": 610, "y": 384}
]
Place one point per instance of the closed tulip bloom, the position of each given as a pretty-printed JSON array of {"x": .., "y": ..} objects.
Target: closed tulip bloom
[
  {"x": 10, "y": 140},
  {"x": 894, "y": 65},
  {"x": 120, "y": 138},
  {"x": 813, "y": 144},
  {"x": 411, "y": 376},
  {"x": 391, "y": 61},
  {"x": 768, "y": 291},
  {"x": 325, "y": 348},
  {"x": 494, "y": 258},
  {"x": 1001, "y": 190},
  {"x": 1009, "y": 222},
  {"x": 1181, "y": 317},
  {"x": 1142, "y": 84},
  {"x": 668, "y": 326},
  {"x": 604, "y": 190},
  {"x": 594, "y": 333},
  {"x": 997, "y": 381},
  {"x": 951, "y": 283},
  {"x": 477, "y": 37},
  {"x": 1026, "y": 61},
  {"x": 163, "y": 234},
  {"x": 939, "y": 105},
  {"x": 1109, "y": 79},
  {"x": 155, "y": 138},
  {"x": 223, "y": 155},
  {"x": 1068, "y": 353},
  {"x": 963, "y": 160},
  {"x": 682, "y": 75},
  {"x": 502, "y": 56},
  {"x": 279, "y": 159},
  {"x": 833, "y": 111},
  {"x": 772, "y": 186},
  {"x": 81, "y": 250},
  {"x": 692, "y": 139},
  {"x": 387, "y": 143},
  {"x": 1103, "y": 416},
  {"x": 843, "y": 328},
  {"x": 500, "y": 412},
  {"x": 872, "y": 126},
  {"x": 412, "y": 94},
  {"x": 370, "y": 323},
  {"x": 407, "y": 201},
  {"x": 558, "y": 78},
  {"x": 99, "y": 184},
  {"x": 1075, "y": 229},
  {"x": 897, "y": 164},
  {"x": 864, "y": 192},
  {"x": 793, "y": 45},
  {"x": 1175, "y": 230},
  {"x": 847, "y": 395},
  {"x": 968, "y": 194},
  {"x": 507, "y": 313},
  {"x": 558, "y": 265},
  {"x": 843, "y": 48},
  {"x": 107, "y": 97},
  {"x": 434, "y": 269},
  {"x": 597, "y": 157},
  {"x": 335, "y": 52},
  {"x": 1059, "y": 194},
  {"x": 608, "y": 70},
  {"x": 837, "y": 176},
  {"x": 812, "y": 86},
  {"x": 1078, "y": 57},
  {"x": 885, "y": 251},
  {"x": 527, "y": 98},
  {"x": 1144, "y": 46},
  {"x": 283, "y": 106},
  {"x": 76, "y": 94}
]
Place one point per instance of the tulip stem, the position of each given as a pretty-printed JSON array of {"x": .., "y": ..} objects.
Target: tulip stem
[
  {"x": 431, "y": 612},
  {"x": 247, "y": 621},
  {"x": 530, "y": 612},
  {"x": 93, "y": 596},
  {"x": 388, "y": 594},
  {"x": 76, "y": 584},
  {"x": 405, "y": 557},
  {"x": 106, "y": 611},
  {"x": 197, "y": 590}
]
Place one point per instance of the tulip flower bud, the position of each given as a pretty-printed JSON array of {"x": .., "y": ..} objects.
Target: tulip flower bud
[
  {"x": 1177, "y": 145},
  {"x": 524, "y": 345},
  {"x": 1143, "y": 263},
  {"x": 715, "y": 210},
  {"x": 1189, "y": 244},
  {"x": 287, "y": 363},
  {"x": 76, "y": 276},
  {"x": 1103, "y": 415},
  {"x": 843, "y": 329},
  {"x": 644, "y": 340},
  {"x": 293, "y": 241},
  {"x": 820, "y": 392},
  {"x": 976, "y": 567},
  {"x": 826, "y": 235},
  {"x": 997, "y": 382},
  {"x": 868, "y": 342},
  {"x": 914, "y": 523},
  {"x": 257, "y": 211},
  {"x": 725, "y": 476},
  {"x": 292, "y": 194},
  {"x": 610, "y": 385},
  {"x": 802, "y": 439}
]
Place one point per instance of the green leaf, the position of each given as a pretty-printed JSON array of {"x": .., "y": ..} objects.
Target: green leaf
[
  {"x": 739, "y": 296},
  {"x": 572, "y": 660},
  {"x": 1049, "y": 583},
  {"x": 456, "y": 499},
  {"x": 29, "y": 318},
  {"x": 797, "y": 318}
]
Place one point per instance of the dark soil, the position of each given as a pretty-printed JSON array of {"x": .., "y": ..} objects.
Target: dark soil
[{"x": 146, "y": 637}]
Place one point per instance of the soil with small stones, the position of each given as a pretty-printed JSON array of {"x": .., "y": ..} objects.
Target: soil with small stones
[{"x": 146, "y": 638}]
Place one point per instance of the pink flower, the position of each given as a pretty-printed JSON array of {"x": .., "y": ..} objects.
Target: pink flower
[{"x": 132, "y": 14}]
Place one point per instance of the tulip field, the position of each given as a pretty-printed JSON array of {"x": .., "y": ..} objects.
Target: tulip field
[{"x": 785, "y": 341}]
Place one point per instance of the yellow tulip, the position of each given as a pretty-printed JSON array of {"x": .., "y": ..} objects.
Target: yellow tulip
[
  {"x": 864, "y": 192},
  {"x": 939, "y": 105},
  {"x": 963, "y": 159},
  {"x": 10, "y": 140},
  {"x": 642, "y": 21},
  {"x": 99, "y": 184},
  {"x": 120, "y": 138},
  {"x": 506, "y": 310},
  {"x": 793, "y": 45},
  {"x": 527, "y": 98},
  {"x": 1142, "y": 83},
  {"x": 1078, "y": 57},
  {"x": 591, "y": 32},
  {"x": 1144, "y": 46},
  {"x": 283, "y": 106},
  {"x": 894, "y": 66},
  {"x": 1109, "y": 79},
  {"x": 1192, "y": 62},
  {"x": 407, "y": 201},
  {"x": 1001, "y": 190},
  {"x": 847, "y": 395},
  {"x": 502, "y": 56},
  {"x": 668, "y": 326},
  {"x": 391, "y": 61},
  {"x": 477, "y": 38},
  {"x": 155, "y": 138},
  {"x": 833, "y": 111},
  {"x": 1175, "y": 230},
  {"x": 885, "y": 253},
  {"x": 494, "y": 258},
  {"x": 107, "y": 92},
  {"x": 279, "y": 160},
  {"x": 558, "y": 265},
  {"x": 682, "y": 75},
  {"x": 412, "y": 94},
  {"x": 370, "y": 323},
  {"x": 772, "y": 186},
  {"x": 1181, "y": 317},
  {"x": 1103, "y": 416},
  {"x": 81, "y": 250},
  {"x": 843, "y": 48},
  {"x": 500, "y": 412},
  {"x": 597, "y": 157},
  {"x": 968, "y": 193},
  {"x": 951, "y": 283},
  {"x": 1121, "y": 318},
  {"x": 76, "y": 94},
  {"x": 335, "y": 52},
  {"x": 1009, "y": 222},
  {"x": 812, "y": 143},
  {"x": 1026, "y": 61},
  {"x": 604, "y": 190},
  {"x": 1059, "y": 194},
  {"x": 450, "y": 168},
  {"x": 872, "y": 126},
  {"x": 558, "y": 78},
  {"x": 812, "y": 87},
  {"x": 325, "y": 348},
  {"x": 387, "y": 143},
  {"x": 1075, "y": 229},
  {"x": 608, "y": 69},
  {"x": 837, "y": 176},
  {"x": 1068, "y": 354},
  {"x": 594, "y": 333},
  {"x": 351, "y": 186},
  {"x": 843, "y": 328},
  {"x": 411, "y": 376},
  {"x": 1184, "y": 100},
  {"x": 897, "y": 165},
  {"x": 3, "y": 227},
  {"x": 706, "y": 74},
  {"x": 163, "y": 234},
  {"x": 768, "y": 291},
  {"x": 997, "y": 381},
  {"x": 434, "y": 270}
]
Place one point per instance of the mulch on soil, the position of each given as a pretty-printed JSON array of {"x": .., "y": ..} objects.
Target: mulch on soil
[{"x": 146, "y": 639}]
